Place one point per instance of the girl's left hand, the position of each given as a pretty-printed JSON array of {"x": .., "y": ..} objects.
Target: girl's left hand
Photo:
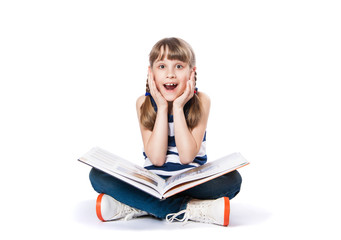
[{"x": 188, "y": 93}]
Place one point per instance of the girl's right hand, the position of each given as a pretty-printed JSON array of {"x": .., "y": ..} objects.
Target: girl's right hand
[{"x": 160, "y": 101}]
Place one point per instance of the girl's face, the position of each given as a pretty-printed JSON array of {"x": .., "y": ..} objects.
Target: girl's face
[{"x": 171, "y": 77}]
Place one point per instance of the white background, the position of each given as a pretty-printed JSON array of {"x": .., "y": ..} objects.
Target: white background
[{"x": 70, "y": 74}]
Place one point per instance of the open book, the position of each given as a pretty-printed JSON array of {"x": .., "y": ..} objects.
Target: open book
[{"x": 153, "y": 184}]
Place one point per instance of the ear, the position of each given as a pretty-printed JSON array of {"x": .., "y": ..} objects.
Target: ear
[
  {"x": 194, "y": 71},
  {"x": 150, "y": 70}
]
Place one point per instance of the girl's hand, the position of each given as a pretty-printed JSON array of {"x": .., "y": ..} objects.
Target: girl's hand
[
  {"x": 188, "y": 93},
  {"x": 160, "y": 101}
]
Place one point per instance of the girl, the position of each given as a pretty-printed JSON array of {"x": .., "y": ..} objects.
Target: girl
[{"x": 173, "y": 118}]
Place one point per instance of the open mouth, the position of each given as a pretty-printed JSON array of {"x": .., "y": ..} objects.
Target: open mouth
[{"x": 170, "y": 86}]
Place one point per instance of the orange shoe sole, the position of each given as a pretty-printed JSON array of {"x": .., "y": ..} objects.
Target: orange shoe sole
[
  {"x": 98, "y": 207},
  {"x": 226, "y": 211}
]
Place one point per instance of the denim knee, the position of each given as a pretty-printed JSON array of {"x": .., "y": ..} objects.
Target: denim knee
[
  {"x": 93, "y": 175},
  {"x": 235, "y": 180},
  {"x": 96, "y": 177}
]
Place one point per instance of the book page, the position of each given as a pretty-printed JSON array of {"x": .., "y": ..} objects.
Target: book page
[
  {"x": 224, "y": 164},
  {"x": 189, "y": 184},
  {"x": 111, "y": 163}
]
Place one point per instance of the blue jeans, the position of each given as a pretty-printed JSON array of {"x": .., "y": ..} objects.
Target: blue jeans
[{"x": 227, "y": 185}]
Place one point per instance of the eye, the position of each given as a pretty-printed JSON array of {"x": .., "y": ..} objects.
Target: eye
[
  {"x": 179, "y": 66},
  {"x": 161, "y": 66}
]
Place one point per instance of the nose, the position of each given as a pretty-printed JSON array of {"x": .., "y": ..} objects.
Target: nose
[{"x": 170, "y": 74}]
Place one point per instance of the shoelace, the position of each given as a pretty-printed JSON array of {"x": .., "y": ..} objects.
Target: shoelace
[
  {"x": 132, "y": 213},
  {"x": 174, "y": 216},
  {"x": 198, "y": 213}
]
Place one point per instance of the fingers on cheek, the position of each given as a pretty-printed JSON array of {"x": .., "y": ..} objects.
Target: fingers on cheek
[{"x": 191, "y": 87}]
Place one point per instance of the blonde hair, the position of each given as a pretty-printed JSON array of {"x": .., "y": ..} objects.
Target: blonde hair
[{"x": 178, "y": 49}]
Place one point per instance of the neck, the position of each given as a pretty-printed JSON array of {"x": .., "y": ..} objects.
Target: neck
[{"x": 170, "y": 108}]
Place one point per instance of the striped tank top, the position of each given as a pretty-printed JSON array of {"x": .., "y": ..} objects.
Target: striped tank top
[{"x": 173, "y": 165}]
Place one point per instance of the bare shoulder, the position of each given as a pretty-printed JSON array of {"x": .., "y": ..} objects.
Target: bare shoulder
[
  {"x": 139, "y": 102},
  {"x": 205, "y": 100}
]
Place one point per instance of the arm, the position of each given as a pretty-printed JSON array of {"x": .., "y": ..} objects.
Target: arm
[
  {"x": 189, "y": 142},
  {"x": 155, "y": 142}
]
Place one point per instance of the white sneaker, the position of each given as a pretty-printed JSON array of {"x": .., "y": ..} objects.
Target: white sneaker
[
  {"x": 207, "y": 211},
  {"x": 108, "y": 209}
]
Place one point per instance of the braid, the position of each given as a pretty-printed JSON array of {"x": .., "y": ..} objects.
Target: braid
[
  {"x": 195, "y": 78},
  {"x": 148, "y": 114},
  {"x": 147, "y": 87}
]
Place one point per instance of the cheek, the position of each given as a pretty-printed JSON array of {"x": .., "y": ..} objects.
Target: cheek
[
  {"x": 158, "y": 81},
  {"x": 158, "y": 78},
  {"x": 184, "y": 76},
  {"x": 182, "y": 87},
  {"x": 183, "y": 80},
  {"x": 159, "y": 85}
]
